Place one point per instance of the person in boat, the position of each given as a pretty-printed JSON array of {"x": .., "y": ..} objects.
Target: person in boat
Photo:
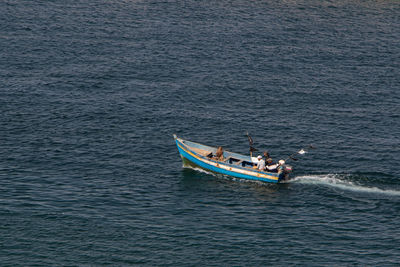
[
  {"x": 281, "y": 166},
  {"x": 219, "y": 155},
  {"x": 270, "y": 166},
  {"x": 266, "y": 156},
  {"x": 260, "y": 163}
]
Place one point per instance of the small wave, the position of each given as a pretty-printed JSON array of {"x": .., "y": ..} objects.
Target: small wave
[
  {"x": 198, "y": 169},
  {"x": 335, "y": 180}
]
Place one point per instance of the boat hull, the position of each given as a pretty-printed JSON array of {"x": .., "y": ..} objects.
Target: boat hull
[{"x": 194, "y": 158}]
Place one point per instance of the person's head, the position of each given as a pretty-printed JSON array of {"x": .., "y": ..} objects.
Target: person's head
[
  {"x": 259, "y": 157},
  {"x": 266, "y": 154},
  {"x": 269, "y": 160}
]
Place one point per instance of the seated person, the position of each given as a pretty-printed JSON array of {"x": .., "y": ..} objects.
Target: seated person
[
  {"x": 260, "y": 164},
  {"x": 219, "y": 155},
  {"x": 281, "y": 166},
  {"x": 270, "y": 166}
]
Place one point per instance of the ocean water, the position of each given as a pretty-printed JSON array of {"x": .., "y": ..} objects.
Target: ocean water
[{"x": 92, "y": 91}]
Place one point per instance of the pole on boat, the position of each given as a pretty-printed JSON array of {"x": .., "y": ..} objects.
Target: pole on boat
[{"x": 252, "y": 149}]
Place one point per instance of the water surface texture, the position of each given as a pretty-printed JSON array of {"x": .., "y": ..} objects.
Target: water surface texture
[{"x": 92, "y": 91}]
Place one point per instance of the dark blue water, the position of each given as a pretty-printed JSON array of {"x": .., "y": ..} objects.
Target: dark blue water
[{"x": 92, "y": 91}]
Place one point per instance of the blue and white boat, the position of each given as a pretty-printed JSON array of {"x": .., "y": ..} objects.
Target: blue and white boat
[{"x": 232, "y": 164}]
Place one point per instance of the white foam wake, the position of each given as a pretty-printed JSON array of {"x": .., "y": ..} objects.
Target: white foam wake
[
  {"x": 198, "y": 169},
  {"x": 335, "y": 181}
]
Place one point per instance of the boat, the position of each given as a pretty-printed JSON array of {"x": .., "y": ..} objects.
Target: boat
[{"x": 232, "y": 164}]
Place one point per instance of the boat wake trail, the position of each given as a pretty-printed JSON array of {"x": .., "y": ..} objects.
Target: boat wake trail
[{"x": 340, "y": 181}]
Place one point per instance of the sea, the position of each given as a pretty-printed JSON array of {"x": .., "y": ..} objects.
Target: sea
[{"x": 91, "y": 93}]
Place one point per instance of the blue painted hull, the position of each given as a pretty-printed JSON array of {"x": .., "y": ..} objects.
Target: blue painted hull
[{"x": 189, "y": 154}]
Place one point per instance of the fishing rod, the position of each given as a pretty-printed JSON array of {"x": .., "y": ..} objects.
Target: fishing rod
[{"x": 300, "y": 152}]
